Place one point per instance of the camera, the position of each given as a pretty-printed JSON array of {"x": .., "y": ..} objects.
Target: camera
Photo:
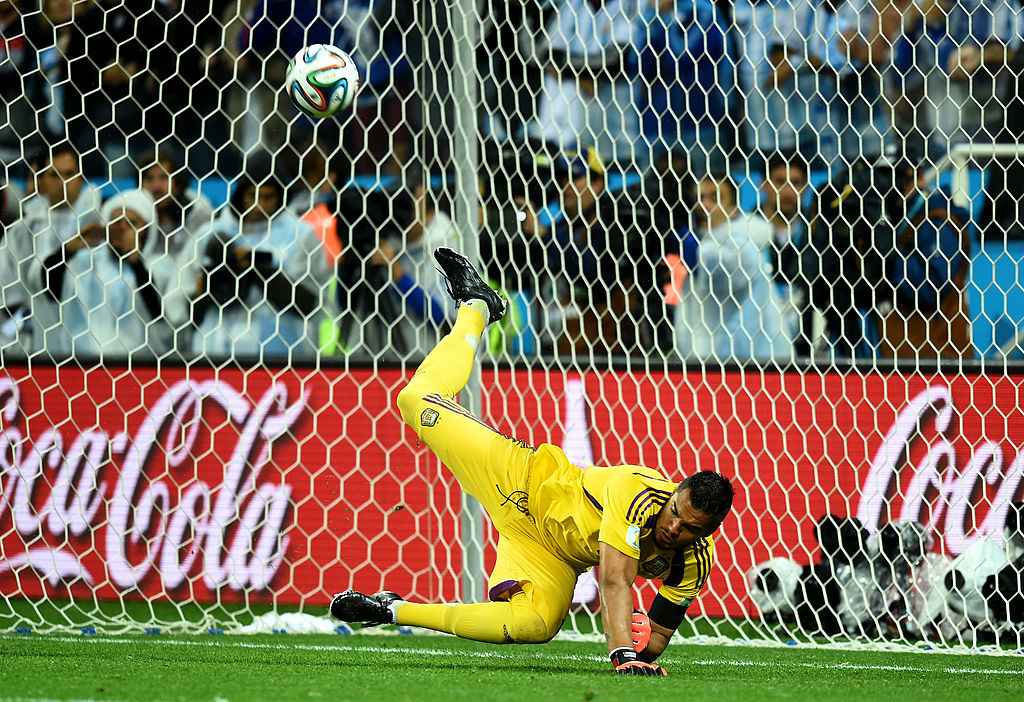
[
  {"x": 228, "y": 281},
  {"x": 364, "y": 290}
]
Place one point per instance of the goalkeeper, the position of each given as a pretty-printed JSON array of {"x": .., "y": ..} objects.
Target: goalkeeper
[{"x": 554, "y": 520}]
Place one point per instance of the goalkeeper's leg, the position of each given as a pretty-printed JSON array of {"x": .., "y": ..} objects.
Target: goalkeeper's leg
[
  {"x": 517, "y": 620},
  {"x": 488, "y": 465},
  {"x": 533, "y": 590}
]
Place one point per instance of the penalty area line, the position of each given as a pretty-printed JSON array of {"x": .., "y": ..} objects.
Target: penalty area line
[{"x": 519, "y": 653}]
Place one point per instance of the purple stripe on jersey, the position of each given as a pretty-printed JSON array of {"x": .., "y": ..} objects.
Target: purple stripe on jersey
[
  {"x": 593, "y": 501},
  {"x": 498, "y": 592},
  {"x": 700, "y": 553},
  {"x": 454, "y": 406},
  {"x": 640, "y": 495},
  {"x": 653, "y": 499},
  {"x": 646, "y": 497},
  {"x": 441, "y": 401},
  {"x": 664, "y": 480},
  {"x": 703, "y": 556},
  {"x": 675, "y": 575}
]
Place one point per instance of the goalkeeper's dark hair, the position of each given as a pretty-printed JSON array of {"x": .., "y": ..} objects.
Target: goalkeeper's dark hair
[{"x": 710, "y": 492}]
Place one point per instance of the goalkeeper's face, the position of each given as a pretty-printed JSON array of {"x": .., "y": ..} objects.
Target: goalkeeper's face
[{"x": 680, "y": 525}]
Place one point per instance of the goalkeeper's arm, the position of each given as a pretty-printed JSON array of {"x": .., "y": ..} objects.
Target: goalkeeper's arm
[
  {"x": 663, "y": 619},
  {"x": 618, "y": 571}
]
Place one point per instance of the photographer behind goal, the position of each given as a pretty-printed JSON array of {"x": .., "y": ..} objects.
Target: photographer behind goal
[
  {"x": 393, "y": 300},
  {"x": 886, "y": 262},
  {"x": 262, "y": 290}
]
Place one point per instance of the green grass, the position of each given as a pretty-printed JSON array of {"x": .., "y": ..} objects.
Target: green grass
[{"x": 388, "y": 667}]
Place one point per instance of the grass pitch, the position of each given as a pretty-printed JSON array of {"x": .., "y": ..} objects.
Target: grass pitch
[{"x": 389, "y": 668}]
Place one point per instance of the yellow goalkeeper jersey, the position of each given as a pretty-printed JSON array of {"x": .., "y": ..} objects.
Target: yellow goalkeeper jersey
[{"x": 577, "y": 509}]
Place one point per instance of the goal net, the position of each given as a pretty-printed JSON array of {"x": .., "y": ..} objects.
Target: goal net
[{"x": 781, "y": 240}]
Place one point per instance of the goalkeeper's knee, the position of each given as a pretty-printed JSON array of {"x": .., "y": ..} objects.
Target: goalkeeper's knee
[
  {"x": 409, "y": 402},
  {"x": 526, "y": 626}
]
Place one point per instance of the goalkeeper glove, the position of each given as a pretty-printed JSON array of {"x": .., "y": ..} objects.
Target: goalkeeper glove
[
  {"x": 626, "y": 663},
  {"x": 641, "y": 630}
]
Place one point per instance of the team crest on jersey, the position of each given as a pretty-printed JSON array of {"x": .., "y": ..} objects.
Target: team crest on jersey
[
  {"x": 633, "y": 536},
  {"x": 655, "y": 566},
  {"x": 429, "y": 417}
]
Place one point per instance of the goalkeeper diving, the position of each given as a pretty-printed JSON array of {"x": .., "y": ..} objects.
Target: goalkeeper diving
[{"x": 554, "y": 520}]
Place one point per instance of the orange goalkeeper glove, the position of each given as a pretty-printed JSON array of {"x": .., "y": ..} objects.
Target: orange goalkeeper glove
[
  {"x": 626, "y": 662},
  {"x": 641, "y": 630}
]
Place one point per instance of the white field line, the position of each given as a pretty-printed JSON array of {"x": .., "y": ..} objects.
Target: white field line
[
  {"x": 536, "y": 653},
  {"x": 857, "y": 666}
]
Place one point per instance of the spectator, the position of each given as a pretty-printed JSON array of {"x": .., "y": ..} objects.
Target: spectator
[
  {"x": 318, "y": 179},
  {"x": 947, "y": 56},
  {"x": 928, "y": 269},
  {"x": 602, "y": 252},
  {"x": 181, "y": 211},
  {"x": 62, "y": 197},
  {"x": 510, "y": 33},
  {"x": 264, "y": 282},
  {"x": 1002, "y": 215},
  {"x": 108, "y": 304},
  {"x": 110, "y": 72},
  {"x": 401, "y": 92},
  {"x": 50, "y": 33},
  {"x": 776, "y": 114},
  {"x": 213, "y": 123},
  {"x": 11, "y": 318},
  {"x": 11, "y": 197},
  {"x": 729, "y": 310},
  {"x": 277, "y": 31},
  {"x": 414, "y": 277},
  {"x": 900, "y": 249},
  {"x": 835, "y": 48},
  {"x": 172, "y": 247},
  {"x": 588, "y": 96},
  {"x": 519, "y": 184},
  {"x": 783, "y": 191},
  {"x": 17, "y": 60},
  {"x": 686, "y": 66},
  {"x": 370, "y": 325},
  {"x": 863, "y": 115},
  {"x": 191, "y": 79},
  {"x": 62, "y": 206}
]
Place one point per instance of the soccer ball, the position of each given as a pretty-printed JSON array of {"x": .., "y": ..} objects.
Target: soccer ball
[{"x": 322, "y": 80}]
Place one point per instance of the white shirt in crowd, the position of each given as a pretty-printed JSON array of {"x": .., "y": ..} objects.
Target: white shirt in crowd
[
  {"x": 255, "y": 326},
  {"x": 41, "y": 230},
  {"x": 729, "y": 309}
]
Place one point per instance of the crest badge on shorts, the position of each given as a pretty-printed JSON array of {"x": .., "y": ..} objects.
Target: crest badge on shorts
[{"x": 429, "y": 417}]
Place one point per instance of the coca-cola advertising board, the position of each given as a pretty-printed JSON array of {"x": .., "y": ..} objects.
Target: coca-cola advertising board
[{"x": 287, "y": 485}]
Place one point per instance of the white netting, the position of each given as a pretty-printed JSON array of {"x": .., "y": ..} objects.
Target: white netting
[{"x": 777, "y": 238}]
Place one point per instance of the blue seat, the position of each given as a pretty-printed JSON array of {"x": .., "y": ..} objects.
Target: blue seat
[{"x": 996, "y": 296}]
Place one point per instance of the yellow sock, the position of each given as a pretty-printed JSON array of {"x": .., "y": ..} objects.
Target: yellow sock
[
  {"x": 451, "y": 361},
  {"x": 514, "y": 621},
  {"x": 479, "y": 622}
]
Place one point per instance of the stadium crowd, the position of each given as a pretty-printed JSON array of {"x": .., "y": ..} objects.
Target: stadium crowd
[{"x": 664, "y": 178}]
